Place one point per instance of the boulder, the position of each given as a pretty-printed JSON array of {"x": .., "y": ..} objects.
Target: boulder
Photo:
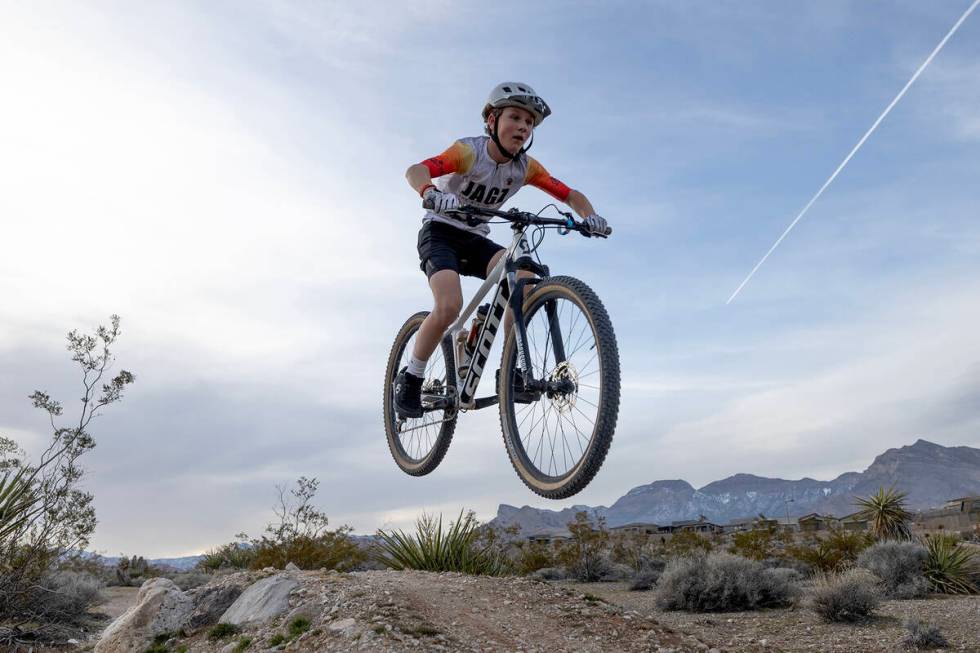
[
  {"x": 160, "y": 608},
  {"x": 262, "y": 601},
  {"x": 210, "y": 603}
]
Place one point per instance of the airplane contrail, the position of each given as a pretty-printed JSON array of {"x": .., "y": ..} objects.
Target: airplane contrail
[{"x": 856, "y": 147}]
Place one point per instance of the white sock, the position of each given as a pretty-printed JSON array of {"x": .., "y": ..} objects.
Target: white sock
[{"x": 416, "y": 367}]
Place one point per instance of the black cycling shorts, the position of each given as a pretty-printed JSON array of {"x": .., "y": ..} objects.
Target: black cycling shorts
[{"x": 444, "y": 247}]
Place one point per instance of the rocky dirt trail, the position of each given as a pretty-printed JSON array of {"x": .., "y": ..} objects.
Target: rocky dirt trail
[{"x": 388, "y": 611}]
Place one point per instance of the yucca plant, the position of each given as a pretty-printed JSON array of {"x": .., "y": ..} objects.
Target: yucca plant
[
  {"x": 433, "y": 549},
  {"x": 948, "y": 565},
  {"x": 16, "y": 500},
  {"x": 886, "y": 513}
]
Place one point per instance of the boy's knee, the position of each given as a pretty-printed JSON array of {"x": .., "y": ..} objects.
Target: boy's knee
[{"x": 445, "y": 313}]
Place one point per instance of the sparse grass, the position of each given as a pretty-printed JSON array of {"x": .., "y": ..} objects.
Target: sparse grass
[
  {"x": 922, "y": 635},
  {"x": 592, "y": 598},
  {"x": 379, "y": 629},
  {"x": 277, "y": 639},
  {"x": 243, "y": 644},
  {"x": 222, "y": 630},
  {"x": 298, "y": 626}
]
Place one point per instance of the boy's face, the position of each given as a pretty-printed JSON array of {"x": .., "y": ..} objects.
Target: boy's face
[{"x": 514, "y": 126}]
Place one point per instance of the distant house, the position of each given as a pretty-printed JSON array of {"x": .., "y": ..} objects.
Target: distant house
[
  {"x": 761, "y": 522},
  {"x": 816, "y": 523},
  {"x": 548, "y": 539},
  {"x": 638, "y": 528},
  {"x": 956, "y": 515},
  {"x": 699, "y": 525},
  {"x": 854, "y": 522}
]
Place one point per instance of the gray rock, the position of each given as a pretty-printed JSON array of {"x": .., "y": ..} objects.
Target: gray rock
[
  {"x": 344, "y": 626},
  {"x": 291, "y": 567},
  {"x": 160, "y": 608},
  {"x": 262, "y": 601},
  {"x": 308, "y": 611},
  {"x": 212, "y": 602}
]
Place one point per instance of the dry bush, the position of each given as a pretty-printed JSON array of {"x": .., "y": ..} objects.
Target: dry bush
[
  {"x": 847, "y": 597},
  {"x": 688, "y": 542},
  {"x": 584, "y": 555},
  {"x": 300, "y": 535},
  {"x": 900, "y": 566},
  {"x": 44, "y": 514},
  {"x": 721, "y": 582},
  {"x": 922, "y": 636}
]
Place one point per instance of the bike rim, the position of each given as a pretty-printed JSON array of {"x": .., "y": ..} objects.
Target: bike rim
[
  {"x": 417, "y": 437},
  {"x": 554, "y": 433}
]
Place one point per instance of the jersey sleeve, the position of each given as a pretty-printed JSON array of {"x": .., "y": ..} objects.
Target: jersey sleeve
[
  {"x": 538, "y": 177},
  {"x": 458, "y": 158}
]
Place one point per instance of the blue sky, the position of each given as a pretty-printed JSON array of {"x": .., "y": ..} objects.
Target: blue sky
[{"x": 228, "y": 177}]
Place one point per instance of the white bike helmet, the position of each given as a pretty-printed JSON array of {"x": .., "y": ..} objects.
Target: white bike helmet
[{"x": 516, "y": 94}]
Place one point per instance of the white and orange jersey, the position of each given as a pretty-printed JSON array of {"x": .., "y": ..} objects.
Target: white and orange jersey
[{"x": 468, "y": 171}]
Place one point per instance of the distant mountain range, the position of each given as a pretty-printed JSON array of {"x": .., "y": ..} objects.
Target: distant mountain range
[{"x": 929, "y": 473}]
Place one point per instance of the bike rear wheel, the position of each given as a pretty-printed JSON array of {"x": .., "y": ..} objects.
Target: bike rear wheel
[
  {"x": 558, "y": 442},
  {"x": 419, "y": 445}
]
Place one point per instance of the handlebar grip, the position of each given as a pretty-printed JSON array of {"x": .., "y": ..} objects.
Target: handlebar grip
[{"x": 428, "y": 203}]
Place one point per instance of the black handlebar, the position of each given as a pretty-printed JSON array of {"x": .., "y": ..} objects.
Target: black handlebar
[{"x": 469, "y": 214}]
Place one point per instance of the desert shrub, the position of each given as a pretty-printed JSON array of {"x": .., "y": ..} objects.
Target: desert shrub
[
  {"x": 234, "y": 555},
  {"x": 242, "y": 644},
  {"x": 949, "y": 565},
  {"x": 584, "y": 554},
  {"x": 133, "y": 572},
  {"x": 900, "y": 566},
  {"x": 300, "y": 535},
  {"x": 644, "y": 581},
  {"x": 44, "y": 513},
  {"x": 803, "y": 569},
  {"x": 433, "y": 549},
  {"x": 630, "y": 549},
  {"x": 688, "y": 542},
  {"x": 65, "y": 596},
  {"x": 615, "y": 572},
  {"x": 719, "y": 582},
  {"x": 922, "y": 636},
  {"x": 550, "y": 573},
  {"x": 847, "y": 597},
  {"x": 298, "y": 626},
  {"x": 222, "y": 630},
  {"x": 756, "y": 544},
  {"x": 835, "y": 552},
  {"x": 532, "y": 556},
  {"x": 190, "y": 579},
  {"x": 277, "y": 639}
]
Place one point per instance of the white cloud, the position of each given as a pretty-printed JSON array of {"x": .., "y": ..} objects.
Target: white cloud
[{"x": 916, "y": 354}]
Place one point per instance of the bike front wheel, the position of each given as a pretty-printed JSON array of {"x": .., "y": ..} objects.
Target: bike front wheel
[
  {"x": 557, "y": 435},
  {"x": 419, "y": 445}
]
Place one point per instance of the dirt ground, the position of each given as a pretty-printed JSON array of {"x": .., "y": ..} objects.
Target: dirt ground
[
  {"x": 418, "y": 611},
  {"x": 800, "y": 629}
]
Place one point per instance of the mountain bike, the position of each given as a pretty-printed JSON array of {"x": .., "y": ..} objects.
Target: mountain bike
[{"x": 558, "y": 382}]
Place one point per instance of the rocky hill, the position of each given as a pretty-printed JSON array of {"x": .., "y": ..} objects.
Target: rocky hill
[{"x": 930, "y": 473}]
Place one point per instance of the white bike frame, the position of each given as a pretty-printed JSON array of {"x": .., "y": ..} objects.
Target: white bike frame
[{"x": 505, "y": 282}]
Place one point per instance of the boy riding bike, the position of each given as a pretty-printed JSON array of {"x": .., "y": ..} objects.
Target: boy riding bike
[{"x": 481, "y": 171}]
